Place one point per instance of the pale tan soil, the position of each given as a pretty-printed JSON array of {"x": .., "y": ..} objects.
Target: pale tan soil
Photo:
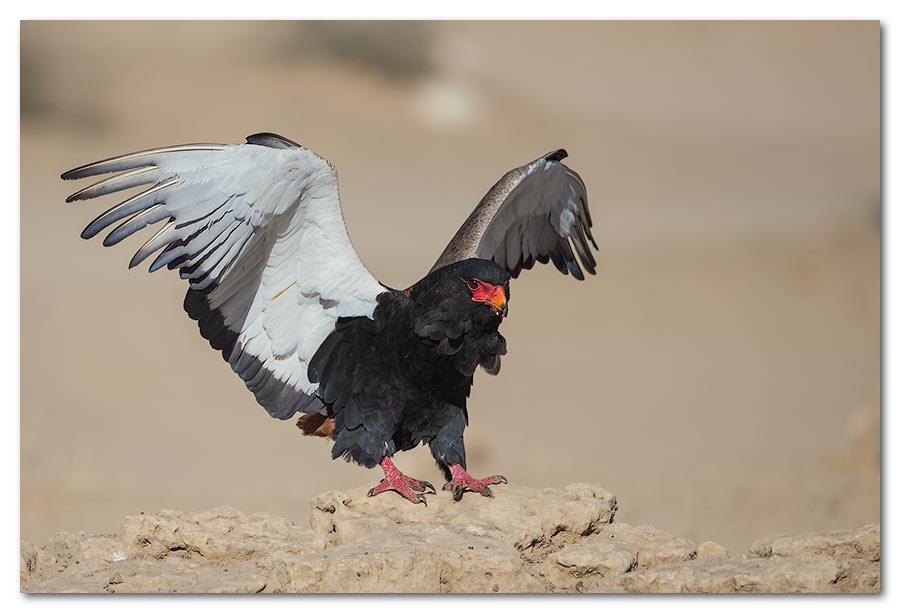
[
  {"x": 721, "y": 373},
  {"x": 522, "y": 540}
]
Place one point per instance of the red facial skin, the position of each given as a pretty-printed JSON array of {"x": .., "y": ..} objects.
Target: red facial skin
[{"x": 493, "y": 295}]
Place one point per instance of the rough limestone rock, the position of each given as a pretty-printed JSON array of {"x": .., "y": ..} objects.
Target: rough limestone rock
[
  {"x": 802, "y": 574},
  {"x": 478, "y": 545},
  {"x": 169, "y": 551},
  {"x": 862, "y": 544},
  {"x": 522, "y": 540},
  {"x": 530, "y": 520},
  {"x": 839, "y": 561},
  {"x": 709, "y": 549},
  {"x": 223, "y": 533},
  {"x": 614, "y": 550}
]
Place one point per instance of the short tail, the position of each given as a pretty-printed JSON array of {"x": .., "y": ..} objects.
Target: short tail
[{"x": 317, "y": 424}]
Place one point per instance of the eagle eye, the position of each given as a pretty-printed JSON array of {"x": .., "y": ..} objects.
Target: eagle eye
[{"x": 473, "y": 284}]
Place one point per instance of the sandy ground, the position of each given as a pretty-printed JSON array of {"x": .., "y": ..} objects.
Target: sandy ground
[{"x": 725, "y": 360}]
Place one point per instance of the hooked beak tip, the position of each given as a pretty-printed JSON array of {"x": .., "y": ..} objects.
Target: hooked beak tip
[{"x": 501, "y": 306}]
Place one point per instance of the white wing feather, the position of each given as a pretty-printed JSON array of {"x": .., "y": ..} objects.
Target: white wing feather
[{"x": 257, "y": 231}]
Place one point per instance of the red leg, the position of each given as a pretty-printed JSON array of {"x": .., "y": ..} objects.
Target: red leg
[
  {"x": 461, "y": 482},
  {"x": 394, "y": 480}
]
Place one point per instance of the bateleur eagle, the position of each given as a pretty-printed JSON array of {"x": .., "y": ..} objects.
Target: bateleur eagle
[{"x": 275, "y": 284}]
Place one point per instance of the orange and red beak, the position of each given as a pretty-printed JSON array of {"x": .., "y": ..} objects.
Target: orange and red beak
[
  {"x": 494, "y": 295},
  {"x": 498, "y": 300}
]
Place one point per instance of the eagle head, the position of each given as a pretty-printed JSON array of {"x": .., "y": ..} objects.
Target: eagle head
[{"x": 475, "y": 290}]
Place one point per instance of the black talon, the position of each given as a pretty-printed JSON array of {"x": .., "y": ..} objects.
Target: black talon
[
  {"x": 502, "y": 479},
  {"x": 421, "y": 498},
  {"x": 426, "y": 484},
  {"x": 371, "y": 493},
  {"x": 456, "y": 490},
  {"x": 486, "y": 491}
]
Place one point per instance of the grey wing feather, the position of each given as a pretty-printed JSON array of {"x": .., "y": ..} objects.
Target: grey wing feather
[{"x": 534, "y": 213}]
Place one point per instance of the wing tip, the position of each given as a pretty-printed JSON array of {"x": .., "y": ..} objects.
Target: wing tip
[
  {"x": 71, "y": 174},
  {"x": 557, "y": 156},
  {"x": 575, "y": 269},
  {"x": 275, "y": 141}
]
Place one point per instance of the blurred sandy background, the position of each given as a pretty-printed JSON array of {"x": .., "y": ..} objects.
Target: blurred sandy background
[{"x": 721, "y": 374}]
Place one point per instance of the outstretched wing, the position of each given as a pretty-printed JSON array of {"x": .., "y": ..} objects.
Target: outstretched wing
[
  {"x": 257, "y": 231},
  {"x": 537, "y": 212}
]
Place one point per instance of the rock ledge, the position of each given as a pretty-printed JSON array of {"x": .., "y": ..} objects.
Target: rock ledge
[{"x": 523, "y": 540}]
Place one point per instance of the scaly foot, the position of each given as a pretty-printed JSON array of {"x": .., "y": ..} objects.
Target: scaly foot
[
  {"x": 461, "y": 482},
  {"x": 394, "y": 480}
]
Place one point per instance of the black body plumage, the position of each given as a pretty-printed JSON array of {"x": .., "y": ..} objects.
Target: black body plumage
[{"x": 402, "y": 377}]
